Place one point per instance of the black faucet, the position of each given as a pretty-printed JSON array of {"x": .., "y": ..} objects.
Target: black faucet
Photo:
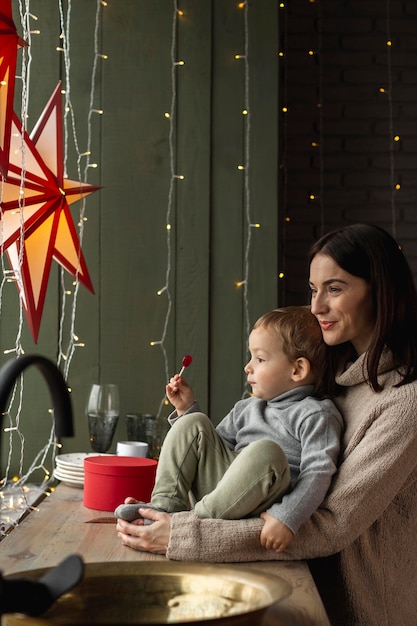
[
  {"x": 61, "y": 402},
  {"x": 33, "y": 597}
]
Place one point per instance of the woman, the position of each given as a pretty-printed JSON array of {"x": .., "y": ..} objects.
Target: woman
[{"x": 363, "y": 538}]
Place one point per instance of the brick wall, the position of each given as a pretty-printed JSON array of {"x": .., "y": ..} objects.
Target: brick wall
[{"x": 339, "y": 160}]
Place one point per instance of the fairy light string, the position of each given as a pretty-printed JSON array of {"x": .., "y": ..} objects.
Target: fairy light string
[
  {"x": 174, "y": 177},
  {"x": 66, "y": 355},
  {"x": 283, "y": 146},
  {"x": 316, "y": 196},
  {"x": 247, "y": 197},
  {"x": 16, "y": 497},
  {"x": 392, "y": 137},
  {"x": 245, "y": 168},
  {"x": 13, "y": 427},
  {"x": 320, "y": 106}
]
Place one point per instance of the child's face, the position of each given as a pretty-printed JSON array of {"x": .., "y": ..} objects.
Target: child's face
[{"x": 269, "y": 371}]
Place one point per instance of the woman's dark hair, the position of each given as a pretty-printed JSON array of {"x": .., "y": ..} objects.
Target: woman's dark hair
[{"x": 371, "y": 253}]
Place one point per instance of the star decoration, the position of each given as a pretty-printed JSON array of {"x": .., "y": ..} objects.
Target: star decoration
[
  {"x": 9, "y": 43},
  {"x": 36, "y": 222}
]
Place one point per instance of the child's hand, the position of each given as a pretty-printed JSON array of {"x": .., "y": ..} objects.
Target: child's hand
[
  {"x": 180, "y": 394},
  {"x": 275, "y": 535}
]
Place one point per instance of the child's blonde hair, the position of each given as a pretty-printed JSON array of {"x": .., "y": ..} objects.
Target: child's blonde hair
[{"x": 302, "y": 337}]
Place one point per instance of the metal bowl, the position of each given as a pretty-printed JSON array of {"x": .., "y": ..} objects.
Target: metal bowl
[{"x": 159, "y": 592}]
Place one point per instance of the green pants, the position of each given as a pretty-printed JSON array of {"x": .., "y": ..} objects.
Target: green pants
[{"x": 224, "y": 483}]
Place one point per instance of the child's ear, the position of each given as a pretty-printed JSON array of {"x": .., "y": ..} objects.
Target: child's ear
[{"x": 301, "y": 369}]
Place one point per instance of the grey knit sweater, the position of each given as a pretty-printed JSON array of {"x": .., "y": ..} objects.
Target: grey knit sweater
[{"x": 308, "y": 431}]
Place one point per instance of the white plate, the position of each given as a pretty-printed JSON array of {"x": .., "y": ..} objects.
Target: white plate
[
  {"x": 78, "y": 471},
  {"x": 67, "y": 481},
  {"x": 70, "y": 474},
  {"x": 75, "y": 460}
]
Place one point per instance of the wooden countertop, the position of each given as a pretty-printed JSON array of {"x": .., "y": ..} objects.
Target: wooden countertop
[{"x": 47, "y": 535}]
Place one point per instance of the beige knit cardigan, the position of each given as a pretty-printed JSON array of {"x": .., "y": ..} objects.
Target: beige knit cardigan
[{"x": 368, "y": 519}]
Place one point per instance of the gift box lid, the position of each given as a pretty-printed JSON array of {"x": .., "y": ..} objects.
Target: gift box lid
[{"x": 117, "y": 465}]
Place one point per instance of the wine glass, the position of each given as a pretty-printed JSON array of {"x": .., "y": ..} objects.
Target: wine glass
[{"x": 102, "y": 415}]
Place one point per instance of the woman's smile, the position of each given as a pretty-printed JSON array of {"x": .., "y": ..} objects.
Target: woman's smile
[{"x": 326, "y": 325}]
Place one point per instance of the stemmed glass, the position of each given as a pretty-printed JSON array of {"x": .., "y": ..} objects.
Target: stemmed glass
[{"x": 102, "y": 414}]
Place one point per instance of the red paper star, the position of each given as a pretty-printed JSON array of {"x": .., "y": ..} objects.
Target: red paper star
[
  {"x": 9, "y": 43},
  {"x": 36, "y": 222}
]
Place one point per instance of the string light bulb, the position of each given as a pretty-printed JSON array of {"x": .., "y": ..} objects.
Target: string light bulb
[{"x": 40, "y": 461}]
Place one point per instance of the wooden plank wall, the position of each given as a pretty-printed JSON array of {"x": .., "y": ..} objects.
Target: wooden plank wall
[{"x": 125, "y": 240}]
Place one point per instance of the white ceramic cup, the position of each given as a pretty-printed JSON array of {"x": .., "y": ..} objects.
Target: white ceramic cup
[{"x": 132, "y": 448}]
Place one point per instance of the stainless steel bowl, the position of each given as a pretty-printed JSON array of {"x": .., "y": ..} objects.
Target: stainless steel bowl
[{"x": 159, "y": 593}]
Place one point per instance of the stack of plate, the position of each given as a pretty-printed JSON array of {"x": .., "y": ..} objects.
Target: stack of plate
[{"x": 70, "y": 468}]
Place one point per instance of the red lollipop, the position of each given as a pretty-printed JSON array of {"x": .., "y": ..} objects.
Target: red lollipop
[{"x": 187, "y": 360}]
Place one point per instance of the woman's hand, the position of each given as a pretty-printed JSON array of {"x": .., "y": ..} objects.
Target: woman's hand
[
  {"x": 180, "y": 394},
  {"x": 147, "y": 538}
]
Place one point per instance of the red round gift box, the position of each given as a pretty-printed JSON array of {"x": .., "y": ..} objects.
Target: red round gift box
[{"x": 108, "y": 480}]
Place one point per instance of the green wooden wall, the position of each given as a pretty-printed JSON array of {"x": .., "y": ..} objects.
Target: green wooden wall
[{"x": 125, "y": 236}]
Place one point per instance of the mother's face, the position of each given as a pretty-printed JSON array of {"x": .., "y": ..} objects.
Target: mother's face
[{"x": 342, "y": 304}]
